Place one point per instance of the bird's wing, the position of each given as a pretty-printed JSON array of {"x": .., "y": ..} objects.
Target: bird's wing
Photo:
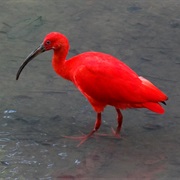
[{"x": 108, "y": 82}]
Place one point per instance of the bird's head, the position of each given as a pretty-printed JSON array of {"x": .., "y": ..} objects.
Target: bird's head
[{"x": 53, "y": 40}]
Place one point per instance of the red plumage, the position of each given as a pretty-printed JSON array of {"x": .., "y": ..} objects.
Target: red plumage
[
  {"x": 105, "y": 80},
  {"x": 102, "y": 79}
]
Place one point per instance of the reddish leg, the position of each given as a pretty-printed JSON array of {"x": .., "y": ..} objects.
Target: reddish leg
[
  {"x": 96, "y": 127},
  {"x": 119, "y": 121}
]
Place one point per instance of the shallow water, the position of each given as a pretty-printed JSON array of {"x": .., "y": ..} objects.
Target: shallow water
[{"x": 41, "y": 107}]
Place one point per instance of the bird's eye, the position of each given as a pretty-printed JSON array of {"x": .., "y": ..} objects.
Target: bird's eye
[{"x": 48, "y": 42}]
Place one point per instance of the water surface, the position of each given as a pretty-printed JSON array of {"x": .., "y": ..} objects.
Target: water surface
[{"x": 41, "y": 107}]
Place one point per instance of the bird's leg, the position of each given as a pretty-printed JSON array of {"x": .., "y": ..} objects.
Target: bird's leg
[
  {"x": 96, "y": 127},
  {"x": 85, "y": 137},
  {"x": 119, "y": 121}
]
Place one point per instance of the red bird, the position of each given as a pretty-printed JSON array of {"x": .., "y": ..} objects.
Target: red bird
[{"x": 102, "y": 79}]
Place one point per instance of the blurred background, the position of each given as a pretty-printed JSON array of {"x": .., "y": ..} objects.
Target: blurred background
[{"x": 41, "y": 107}]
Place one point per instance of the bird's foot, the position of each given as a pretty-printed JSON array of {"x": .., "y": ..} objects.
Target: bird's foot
[
  {"x": 116, "y": 133},
  {"x": 82, "y": 138}
]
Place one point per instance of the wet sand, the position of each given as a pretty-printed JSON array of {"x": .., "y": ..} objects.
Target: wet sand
[{"x": 41, "y": 107}]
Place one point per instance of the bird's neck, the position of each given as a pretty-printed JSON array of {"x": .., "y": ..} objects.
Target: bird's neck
[{"x": 59, "y": 62}]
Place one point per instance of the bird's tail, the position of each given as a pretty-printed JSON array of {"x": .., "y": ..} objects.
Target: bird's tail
[
  {"x": 153, "y": 96},
  {"x": 155, "y": 107}
]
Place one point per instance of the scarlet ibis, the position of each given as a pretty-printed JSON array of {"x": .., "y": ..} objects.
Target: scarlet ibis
[{"x": 102, "y": 79}]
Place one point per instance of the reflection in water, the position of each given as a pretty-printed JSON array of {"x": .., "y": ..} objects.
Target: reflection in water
[{"x": 7, "y": 115}]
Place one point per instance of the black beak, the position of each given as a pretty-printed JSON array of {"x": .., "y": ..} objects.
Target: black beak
[{"x": 32, "y": 55}]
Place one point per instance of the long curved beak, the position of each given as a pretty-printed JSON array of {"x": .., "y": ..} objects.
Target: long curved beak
[{"x": 32, "y": 55}]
